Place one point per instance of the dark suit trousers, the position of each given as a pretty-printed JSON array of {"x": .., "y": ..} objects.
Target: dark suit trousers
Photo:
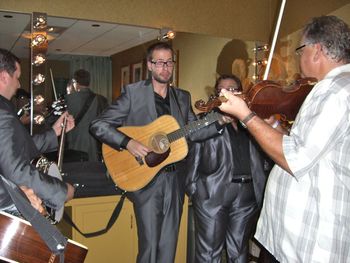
[
  {"x": 158, "y": 209},
  {"x": 226, "y": 217}
]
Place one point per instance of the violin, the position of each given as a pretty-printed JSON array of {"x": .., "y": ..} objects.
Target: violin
[{"x": 268, "y": 98}]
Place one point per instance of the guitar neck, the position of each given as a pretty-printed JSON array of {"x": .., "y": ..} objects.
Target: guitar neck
[{"x": 194, "y": 126}]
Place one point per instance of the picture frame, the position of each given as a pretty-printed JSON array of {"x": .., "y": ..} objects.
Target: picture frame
[
  {"x": 175, "y": 77},
  {"x": 137, "y": 72},
  {"x": 125, "y": 76}
]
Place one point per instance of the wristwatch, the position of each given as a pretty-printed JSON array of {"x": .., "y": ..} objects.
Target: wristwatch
[{"x": 248, "y": 118}]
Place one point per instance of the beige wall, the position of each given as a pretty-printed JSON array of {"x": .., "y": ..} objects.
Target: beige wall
[
  {"x": 209, "y": 17},
  {"x": 250, "y": 20},
  {"x": 197, "y": 62},
  {"x": 198, "y": 53}
]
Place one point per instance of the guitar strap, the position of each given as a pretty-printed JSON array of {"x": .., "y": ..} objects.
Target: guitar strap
[
  {"x": 52, "y": 237},
  {"x": 84, "y": 109},
  {"x": 110, "y": 223}
]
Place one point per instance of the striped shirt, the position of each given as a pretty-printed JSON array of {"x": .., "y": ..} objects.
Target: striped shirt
[{"x": 306, "y": 217}]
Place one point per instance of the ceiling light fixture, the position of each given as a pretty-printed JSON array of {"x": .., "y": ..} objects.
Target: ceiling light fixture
[{"x": 166, "y": 34}]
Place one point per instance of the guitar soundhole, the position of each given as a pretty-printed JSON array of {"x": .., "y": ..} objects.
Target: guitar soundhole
[
  {"x": 159, "y": 143},
  {"x": 153, "y": 159}
]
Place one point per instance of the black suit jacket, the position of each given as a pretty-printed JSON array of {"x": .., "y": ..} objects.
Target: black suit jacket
[
  {"x": 210, "y": 168},
  {"x": 79, "y": 138},
  {"x": 17, "y": 151}
]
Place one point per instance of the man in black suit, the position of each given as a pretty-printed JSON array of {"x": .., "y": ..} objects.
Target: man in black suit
[
  {"x": 18, "y": 148},
  {"x": 85, "y": 106},
  {"x": 226, "y": 181},
  {"x": 158, "y": 206}
]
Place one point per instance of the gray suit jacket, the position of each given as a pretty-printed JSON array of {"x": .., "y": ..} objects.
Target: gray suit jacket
[
  {"x": 17, "y": 151},
  {"x": 210, "y": 168},
  {"x": 136, "y": 107}
]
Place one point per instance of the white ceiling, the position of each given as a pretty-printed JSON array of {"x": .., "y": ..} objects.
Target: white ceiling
[{"x": 72, "y": 36}]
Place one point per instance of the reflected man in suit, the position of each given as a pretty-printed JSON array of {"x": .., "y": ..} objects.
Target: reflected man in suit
[
  {"x": 226, "y": 182},
  {"x": 85, "y": 106}
]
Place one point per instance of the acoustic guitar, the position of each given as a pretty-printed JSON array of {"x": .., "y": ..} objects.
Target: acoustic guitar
[
  {"x": 21, "y": 243},
  {"x": 167, "y": 141}
]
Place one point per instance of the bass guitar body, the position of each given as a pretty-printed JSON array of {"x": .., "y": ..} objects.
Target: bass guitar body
[
  {"x": 21, "y": 243},
  {"x": 132, "y": 174}
]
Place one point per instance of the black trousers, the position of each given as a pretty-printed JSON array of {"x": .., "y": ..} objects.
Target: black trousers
[
  {"x": 228, "y": 217},
  {"x": 158, "y": 209}
]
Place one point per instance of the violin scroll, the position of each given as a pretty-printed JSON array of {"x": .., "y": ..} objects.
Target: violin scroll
[{"x": 212, "y": 103}]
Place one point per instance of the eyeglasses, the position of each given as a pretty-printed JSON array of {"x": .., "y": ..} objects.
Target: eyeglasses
[
  {"x": 232, "y": 89},
  {"x": 299, "y": 50},
  {"x": 160, "y": 63}
]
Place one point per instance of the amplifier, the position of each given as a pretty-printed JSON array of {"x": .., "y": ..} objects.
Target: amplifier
[{"x": 89, "y": 179}]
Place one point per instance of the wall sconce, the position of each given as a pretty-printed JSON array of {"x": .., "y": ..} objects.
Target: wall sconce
[
  {"x": 40, "y": 22},
  {"x": 38, "y": 40},
  {"x": 38, "y": 79},
  {"x": 39, "y": 59},
  {"x": 166, "y": 34}
]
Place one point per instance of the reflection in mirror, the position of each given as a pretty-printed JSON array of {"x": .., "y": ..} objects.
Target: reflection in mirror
[{"x": 74, "y": 44}]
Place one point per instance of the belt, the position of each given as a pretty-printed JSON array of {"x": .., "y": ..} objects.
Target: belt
[
  {"x": 242, "y": 180},
  {"x": 170, "y": 168}
]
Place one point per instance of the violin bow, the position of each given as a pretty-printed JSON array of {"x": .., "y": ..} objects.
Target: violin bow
[
  {"x": 273, "y": 44},
  {"x": 53, "y": 85}
]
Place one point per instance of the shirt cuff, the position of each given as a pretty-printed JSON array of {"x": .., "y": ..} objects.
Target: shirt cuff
[{"x": 125, "y": 142}]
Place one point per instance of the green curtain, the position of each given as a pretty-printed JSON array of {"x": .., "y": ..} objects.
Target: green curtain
[{"x": 100, "y": 69}]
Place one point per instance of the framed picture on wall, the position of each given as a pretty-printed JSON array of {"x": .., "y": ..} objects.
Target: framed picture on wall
[
  {"x": 137, "y": 72},
  {"x": 175, "y": 78},
  {"x": 125, "y": 76}
]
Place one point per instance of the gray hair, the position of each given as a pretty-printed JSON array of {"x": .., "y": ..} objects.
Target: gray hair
[{"x": 332, "y": 33}]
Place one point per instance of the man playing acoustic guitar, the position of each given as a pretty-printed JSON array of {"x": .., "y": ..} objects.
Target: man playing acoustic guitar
[{"x": 157, "y": 206}]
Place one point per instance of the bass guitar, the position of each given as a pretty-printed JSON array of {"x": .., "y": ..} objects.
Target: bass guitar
[
  {"x": 21, "y": 243},
  {"x": 167, "y": 141}
]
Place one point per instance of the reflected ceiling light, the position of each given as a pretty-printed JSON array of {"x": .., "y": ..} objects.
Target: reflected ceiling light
[
  {"x": 259, "y": 62},
  {"x": 39, "y": 99},
  {"x": 38, "y": 40},
  {"x": 39, "y": 78},
  {"x": 261, "y": 48},
  {"x": 39, "y": 59},
  {"x": 39, "y": 119},
  {"x": 40, "y": 22},
  {"x": 166, "y": 34}
]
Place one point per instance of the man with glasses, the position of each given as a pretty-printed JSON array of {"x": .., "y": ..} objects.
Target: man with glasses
[
  {"x": 226, "y": 181},
  {"x": 157, "y": 206},
  {"x": 306, "y": 212}
]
